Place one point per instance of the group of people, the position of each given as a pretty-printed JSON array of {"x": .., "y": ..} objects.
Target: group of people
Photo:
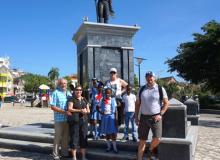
[{"x": 111, "y": 104}]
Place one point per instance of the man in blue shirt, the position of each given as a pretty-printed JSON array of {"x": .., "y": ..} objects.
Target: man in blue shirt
[{"x": 59, "y": 106}]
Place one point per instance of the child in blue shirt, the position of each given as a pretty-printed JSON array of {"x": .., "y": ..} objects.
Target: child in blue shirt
[
  {"x": 107, "y": 108},
  {"x": 95, "y": 115}
]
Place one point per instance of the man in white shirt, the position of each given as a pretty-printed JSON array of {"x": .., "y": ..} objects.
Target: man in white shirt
[{"x": 152, "y": 103}]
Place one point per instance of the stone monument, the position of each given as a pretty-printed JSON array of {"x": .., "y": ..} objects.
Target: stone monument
[
  {"x": 102, "y": 46},
  {"x": 179, "y": 138},
  {"x": 192, "y": 111}
]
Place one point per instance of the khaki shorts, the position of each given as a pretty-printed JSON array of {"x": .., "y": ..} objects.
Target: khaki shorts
[{"x": 146, "y": 123}]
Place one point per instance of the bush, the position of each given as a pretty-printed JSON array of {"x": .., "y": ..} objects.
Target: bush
[
  {"x": 205, "y": 100},
  {"x": 212, "y": 106}
]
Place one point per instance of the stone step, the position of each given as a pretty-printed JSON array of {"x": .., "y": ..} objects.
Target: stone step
[
  {"x": 51, "y": 125},
  {"x": 48, "y": 138},
  {"x": 101, "y": 154},
  {"x": 122, "y": 146},
  {"x": 46, "y": 148},
  {"x": 26, "y": 145},
  {"x": 26, "y": 136}
]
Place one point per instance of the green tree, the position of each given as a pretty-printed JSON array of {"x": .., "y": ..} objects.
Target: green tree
[
  {"x": 172, "y": 89},
  {"x": 136, "y": 83},
  {"x": 199, "y": 61},
  {"x": 33, "y": 81},
  {"x": 53, "y": 74}
]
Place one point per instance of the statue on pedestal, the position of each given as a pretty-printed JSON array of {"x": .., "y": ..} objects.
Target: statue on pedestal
[{"x": 104, "y": 10}]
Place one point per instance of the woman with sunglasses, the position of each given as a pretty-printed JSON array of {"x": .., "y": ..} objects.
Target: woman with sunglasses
[
  {"x": 118, "y": 86},
  {"x": 78, "y": 123}
]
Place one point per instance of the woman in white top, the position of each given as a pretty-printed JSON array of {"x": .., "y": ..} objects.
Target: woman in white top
[{"x": 118, "y": 86}]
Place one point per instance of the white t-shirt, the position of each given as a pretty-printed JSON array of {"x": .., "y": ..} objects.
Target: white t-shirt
[
  {"x": 150, "y": 100},
  {"x": 116, "y": 86},
  {"x": 129, "y": 101}
]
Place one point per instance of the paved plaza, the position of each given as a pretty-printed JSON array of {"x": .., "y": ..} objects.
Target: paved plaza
[{"x": 208, "y": 146}]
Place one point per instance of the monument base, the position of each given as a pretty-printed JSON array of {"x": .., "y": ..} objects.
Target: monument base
[
  {"x": 194, "y": 119},
  {"x": 179, "y": 148}
]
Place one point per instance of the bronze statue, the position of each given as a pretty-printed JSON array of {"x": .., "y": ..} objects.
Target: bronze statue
[{"x": 104, "y": 10}]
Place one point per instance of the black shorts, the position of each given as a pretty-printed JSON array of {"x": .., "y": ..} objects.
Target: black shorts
[{"x": 146, "y": 123}]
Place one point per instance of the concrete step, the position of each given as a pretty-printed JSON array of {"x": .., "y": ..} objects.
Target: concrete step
[
  {"x": 122, "y": 146},
  {"x": 48, "y": 138},
  {"x": 26, "y": 145},
  {"x": 101, "y": 154},
  {"x": 51, "y": 125},
  {"x": 93, "y": 153},
  {"x": 26, "y": 136}
]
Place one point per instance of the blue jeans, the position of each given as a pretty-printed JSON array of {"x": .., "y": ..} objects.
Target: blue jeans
[{"x": 130, "y": 116}]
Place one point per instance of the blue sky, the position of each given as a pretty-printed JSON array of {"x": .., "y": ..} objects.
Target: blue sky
[{"x": 37, "y": 34}]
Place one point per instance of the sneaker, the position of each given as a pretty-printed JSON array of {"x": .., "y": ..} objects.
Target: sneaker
[
  {"x": 125, "y": 138},
  {"x": 56, "y": 158}
]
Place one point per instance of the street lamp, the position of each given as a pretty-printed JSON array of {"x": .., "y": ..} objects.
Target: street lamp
[{"x": 139, "y": 61}]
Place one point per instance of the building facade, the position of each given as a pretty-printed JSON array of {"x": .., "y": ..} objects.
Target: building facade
[{"x": 6, "y": 79}]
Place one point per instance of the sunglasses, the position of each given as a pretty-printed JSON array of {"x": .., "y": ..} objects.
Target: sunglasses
[{"x": 112, "y": 72}]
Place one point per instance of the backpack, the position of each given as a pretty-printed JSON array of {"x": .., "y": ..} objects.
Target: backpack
[{"x": 160, "y": 93}]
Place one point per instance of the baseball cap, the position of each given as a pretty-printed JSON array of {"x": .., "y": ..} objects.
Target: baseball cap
[
  {"x": 94, "y": 78},
  {"x": 113, "y": 70},
  {"x": 149, "y": 73}
]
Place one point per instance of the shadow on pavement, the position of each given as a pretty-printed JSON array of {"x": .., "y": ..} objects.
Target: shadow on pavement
[
  {"x": 21, "y": 154},
  {"x": 208, "y": 123}
]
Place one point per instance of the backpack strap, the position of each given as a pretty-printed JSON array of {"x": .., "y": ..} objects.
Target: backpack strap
[
  {"x": 160, "y": 94},
  {"x": 141, "y": 90}
]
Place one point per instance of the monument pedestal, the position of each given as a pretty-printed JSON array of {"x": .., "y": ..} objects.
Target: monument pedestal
[
  {"x": 101, "y": 47},
  {"x": 192, "y": 111},
  {"x": 179, "y": 138}
]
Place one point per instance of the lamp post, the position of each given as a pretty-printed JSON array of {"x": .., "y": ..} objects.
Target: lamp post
[{"x": 139, "y": 61}]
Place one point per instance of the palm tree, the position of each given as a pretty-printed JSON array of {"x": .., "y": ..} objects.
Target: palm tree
[{"x": 53, "y": 74}]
